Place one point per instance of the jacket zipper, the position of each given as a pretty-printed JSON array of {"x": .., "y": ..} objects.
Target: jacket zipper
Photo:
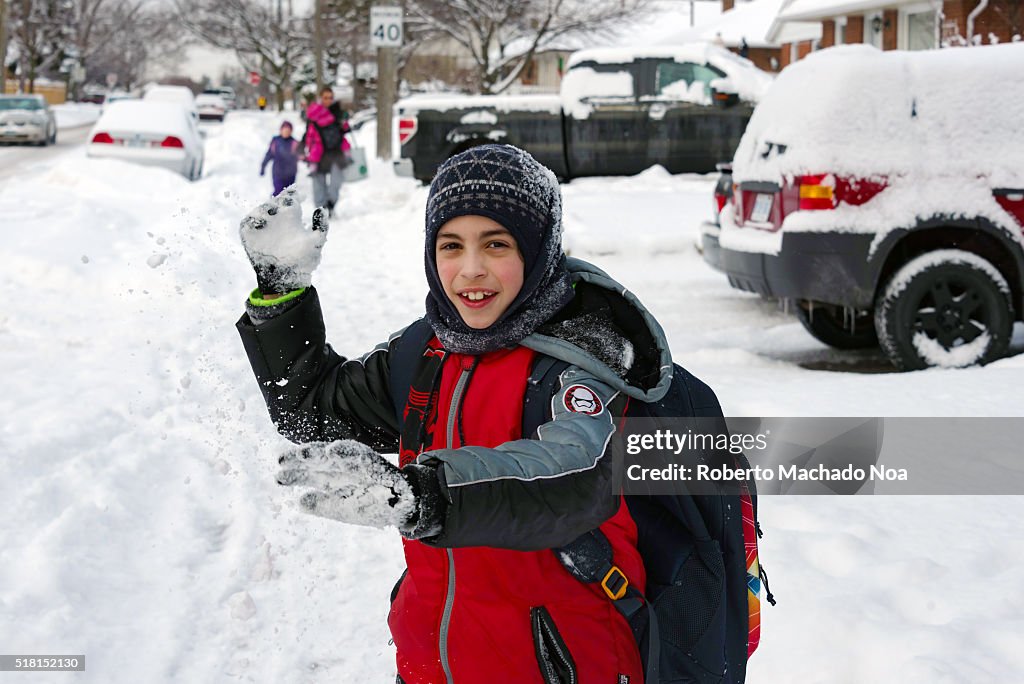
[{"x": 449, "y": 599}]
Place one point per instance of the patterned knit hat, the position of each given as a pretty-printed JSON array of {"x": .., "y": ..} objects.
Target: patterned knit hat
[{"x": 507, "y": 185}]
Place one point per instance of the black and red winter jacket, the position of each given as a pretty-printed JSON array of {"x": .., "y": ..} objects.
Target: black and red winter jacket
[{"x": 487, "y": 600}]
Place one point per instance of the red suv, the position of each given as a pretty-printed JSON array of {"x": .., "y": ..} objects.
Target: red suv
[{"x": 883, "y": 194}]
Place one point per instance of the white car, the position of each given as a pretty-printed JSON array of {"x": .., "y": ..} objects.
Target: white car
[
  {"x": 177, "y": 94},
  {"x": 228, "y": 95},
  {"x": 150, "y": 133},
  {"x": 27, "y": 118},
  {"x": 211, "y": 107}
]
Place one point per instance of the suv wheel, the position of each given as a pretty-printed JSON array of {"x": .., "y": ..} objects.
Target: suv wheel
[
  {"x": 826, "y": 324},
  {"x": 947, "y": 308}
]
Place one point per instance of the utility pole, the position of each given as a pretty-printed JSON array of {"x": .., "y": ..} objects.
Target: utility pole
[
  {"x": 318, "y": 43},
  {"x": 386, "y": 35},
  {"x": 3, "y": 46}
]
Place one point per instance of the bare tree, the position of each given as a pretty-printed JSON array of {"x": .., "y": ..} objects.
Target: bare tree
[
  {"x": 103, "y": 24},
  {"x": 263, "y": 41},
  {"x": 503, "y": 36},
  {"x": 140, "y": 42},
  {"x": 39, "y": 31}
]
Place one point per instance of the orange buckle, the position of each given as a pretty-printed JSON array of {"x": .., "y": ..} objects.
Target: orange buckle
[{"x": 615, "y": 584}]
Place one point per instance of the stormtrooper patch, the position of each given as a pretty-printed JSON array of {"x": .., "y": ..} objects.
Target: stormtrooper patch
[{"x": 582, "y": 399}]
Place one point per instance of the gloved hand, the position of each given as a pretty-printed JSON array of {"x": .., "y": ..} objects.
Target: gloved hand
[
  {"x": 357, "y": 485},
  {"x": 263, "y": 172},
  {"x": 283, "y": 253}
]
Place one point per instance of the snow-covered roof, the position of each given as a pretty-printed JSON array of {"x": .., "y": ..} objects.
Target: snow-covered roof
[
  {"x": 665, "y": 19},
  {"x": 816, "y": 10},
  {"x": 953, "y": 112},
  {"x": 751, "y": 21}
]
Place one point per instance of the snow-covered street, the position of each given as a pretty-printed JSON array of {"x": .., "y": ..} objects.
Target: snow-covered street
[{"x": 142, "y": 525}]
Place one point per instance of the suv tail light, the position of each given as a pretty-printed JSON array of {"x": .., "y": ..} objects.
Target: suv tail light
[
  {"x": 826, "y": 191},
  {"x": 103, "y": 138},
  {"x": 407, "y": 126},
  {"x": 171, "y": 141}
]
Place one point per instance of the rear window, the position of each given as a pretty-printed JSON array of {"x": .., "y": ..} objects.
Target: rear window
[{"x": 20, "y": 103}]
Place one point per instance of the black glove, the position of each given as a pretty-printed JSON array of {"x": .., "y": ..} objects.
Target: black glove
[
  {"x": 357, "y": 485},
  {"x": 283, "y": 253}
]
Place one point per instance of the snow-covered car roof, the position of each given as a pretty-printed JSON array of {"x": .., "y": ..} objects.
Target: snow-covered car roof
[
  {"x": 142, "y": 116},
  {"x": 749, "y": 82},
  {"x": 169, "y": 93},
  {"x": 855, "y": 110}
]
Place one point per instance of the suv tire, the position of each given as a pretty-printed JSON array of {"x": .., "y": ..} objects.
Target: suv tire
[
  {"x": 947, "y": 308},
  {"x": 826, "y": 325}
]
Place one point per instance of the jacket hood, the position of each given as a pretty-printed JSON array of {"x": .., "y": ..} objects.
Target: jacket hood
[{"x": 606, "y": 331}]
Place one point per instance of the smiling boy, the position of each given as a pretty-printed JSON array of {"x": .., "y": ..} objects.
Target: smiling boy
[{"x": 480, "y": 504}]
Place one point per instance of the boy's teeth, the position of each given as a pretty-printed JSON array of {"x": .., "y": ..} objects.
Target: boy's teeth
[{"x": 475, "y": 296}]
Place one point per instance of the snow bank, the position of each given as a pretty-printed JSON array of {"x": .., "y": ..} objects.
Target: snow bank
[
  {"x": 74, "y": 114},
  {"x": 951, "y": 112}
]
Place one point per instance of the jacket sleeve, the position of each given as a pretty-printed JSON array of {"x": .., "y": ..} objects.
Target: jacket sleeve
[
  {"x": 314, "y": 394},
  {"x": 533, "y": 494}
]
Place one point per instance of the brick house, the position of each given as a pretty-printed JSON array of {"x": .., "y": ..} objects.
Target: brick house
[
  {"x": 903, "y": 24},
  {"x": 750, "y": 23}
]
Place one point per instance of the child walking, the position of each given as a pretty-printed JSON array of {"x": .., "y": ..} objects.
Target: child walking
[
  {"x": 479, "y": 504},
  {"x": 284, "y": 151}
]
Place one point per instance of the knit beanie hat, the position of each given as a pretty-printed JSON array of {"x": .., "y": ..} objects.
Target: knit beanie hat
[{"x": 506, "y": 185}]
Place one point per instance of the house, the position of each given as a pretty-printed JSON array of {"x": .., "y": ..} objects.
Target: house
[
  {"x": 904, "y": 24},
  {"x": 750, "y": 24}
]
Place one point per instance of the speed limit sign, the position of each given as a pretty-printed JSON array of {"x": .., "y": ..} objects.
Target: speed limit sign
[{"x": 386, "y": 26}]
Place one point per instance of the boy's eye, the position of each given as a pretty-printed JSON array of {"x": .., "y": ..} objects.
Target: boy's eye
[
  {"x": 497, "y": 244},
  {"x": 449, "y": 246}
]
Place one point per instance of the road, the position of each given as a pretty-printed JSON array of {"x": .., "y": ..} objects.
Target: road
[{"x": 20, "y": 157}]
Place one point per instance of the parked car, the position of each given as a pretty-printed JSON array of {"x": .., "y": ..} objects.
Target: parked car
[
  {"x": 150, "y": 133},
  {"x": 27, "y": 118},
  {"x": 226, "y": 93},
  {"x": 211, "y": 107},
  {"x": 179, "y": 95},
  {"x": 619, "y": 112},
  {"x": 883, "y": 194}
]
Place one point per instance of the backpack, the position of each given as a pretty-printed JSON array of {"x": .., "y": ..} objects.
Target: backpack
[
  {"x": 331, "y": 135},
  {"x": 699, "y": 619}
]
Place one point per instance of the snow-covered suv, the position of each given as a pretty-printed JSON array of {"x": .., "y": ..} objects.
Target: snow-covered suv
[{"x": 883, "y": 194}]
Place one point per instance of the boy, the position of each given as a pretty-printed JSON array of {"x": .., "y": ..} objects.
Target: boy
[
  {"x": 284, "y": 153},
  {"x": 479, "y": 504}
]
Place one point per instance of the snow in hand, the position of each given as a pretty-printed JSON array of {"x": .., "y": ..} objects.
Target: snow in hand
[{"x": 142, "y": 524}]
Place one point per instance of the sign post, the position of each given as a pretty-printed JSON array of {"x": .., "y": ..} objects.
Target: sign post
[{"x": 386, "y": 36}]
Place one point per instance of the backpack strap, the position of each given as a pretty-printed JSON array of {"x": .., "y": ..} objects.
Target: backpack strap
[
  {"x": 540, "y": 387},
  {"x": 413, "y": 373},
  {"x": 588, "y": 558}
]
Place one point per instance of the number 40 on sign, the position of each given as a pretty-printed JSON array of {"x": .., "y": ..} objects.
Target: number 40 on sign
[{"x": 386, "y": 26}]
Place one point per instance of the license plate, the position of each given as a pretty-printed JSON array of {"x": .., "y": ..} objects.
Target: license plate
[
  {"x": 135, "y": 142},
  {"x": 762, "y": 208}
]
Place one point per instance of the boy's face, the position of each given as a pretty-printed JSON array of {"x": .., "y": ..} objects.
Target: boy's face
[
  {"x": 286, "y": 131},
  {"x": 480, "y": 268}
]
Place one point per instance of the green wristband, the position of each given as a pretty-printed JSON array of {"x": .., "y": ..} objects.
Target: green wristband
[{"x": 256, "y": 297}]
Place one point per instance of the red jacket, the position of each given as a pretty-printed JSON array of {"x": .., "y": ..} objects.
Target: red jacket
[{"x": 497, "y": 598}]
